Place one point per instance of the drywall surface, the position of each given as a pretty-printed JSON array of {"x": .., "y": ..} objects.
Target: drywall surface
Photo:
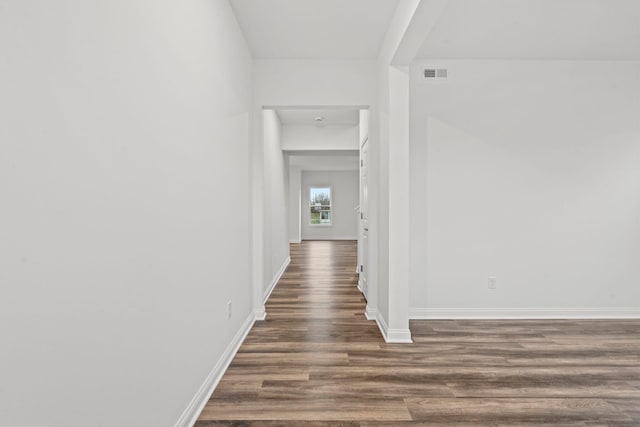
[
  {"x": 276, "y": 191},
  {"x": 363, "y": 135},
  {"x": 526, "y": 171},
  {"x": 125, "y": 217},
  {"x": 383, "y": 126},
  {"x": 345, "y": 198},
  {"x": 291, "y": 82},
  {"x": 317, "y": 161},
  {"x": 295, "y": 203},
  {"x": 363, "y": 126},
  {"x": 310, "y": 137}
]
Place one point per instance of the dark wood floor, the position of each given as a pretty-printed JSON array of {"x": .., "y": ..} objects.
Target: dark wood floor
[{"x": 316, "y": 361}]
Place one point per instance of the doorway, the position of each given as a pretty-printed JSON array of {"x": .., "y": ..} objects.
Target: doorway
[{"x": 313, "y": 147}]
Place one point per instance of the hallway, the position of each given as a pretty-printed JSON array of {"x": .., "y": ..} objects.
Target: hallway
[
  {"x": 295, "y": 365},
  {"x": 317, "y": 359}
]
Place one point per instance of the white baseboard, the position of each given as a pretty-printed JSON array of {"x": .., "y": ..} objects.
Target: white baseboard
[
  {"x": 370, "y": 313},
  {"x": 393, "y": 336},
  {"x": 525, "y": 313},
  {"x": 190, "y": 415},
  {"x": 295, "y": 241},
  {"x": 276, "y": 278},
  {"x": 330, "y": 238},
  {"x": 260, "y": 314}
]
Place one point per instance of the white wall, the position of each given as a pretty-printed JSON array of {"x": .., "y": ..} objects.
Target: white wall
[
  {"x": 363, "y": 126},
  {"x": 345, "y": 197},
  {"x": 300, "y": 82},
  {"x": 124, "y": 188},
  {"x": 309, "y": 137},
  {"x": 527, "y": 171},
  {"x": 295, "y": 200},
  {"x": 319, "y": 161},
  {"x": 276, "y": 193},
  {"x": 363, "y": 134}
]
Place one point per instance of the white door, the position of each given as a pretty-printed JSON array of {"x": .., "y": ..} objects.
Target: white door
[{"x": 364, "y": 212}]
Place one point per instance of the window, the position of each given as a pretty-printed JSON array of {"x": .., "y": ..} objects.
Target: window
[{"x": 320, "y": 205}]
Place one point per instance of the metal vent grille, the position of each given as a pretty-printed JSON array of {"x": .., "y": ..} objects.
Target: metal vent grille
[{"x": 435, "y": 73}]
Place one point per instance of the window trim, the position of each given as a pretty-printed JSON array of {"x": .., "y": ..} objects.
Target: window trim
[{"x": 330, "y": 187}]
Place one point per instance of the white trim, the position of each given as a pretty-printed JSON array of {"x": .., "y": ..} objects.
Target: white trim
[
  {"x": 197, "y": 404},
  {"x": 315, "y": 107},
  {"x": 525, "y": 313},
  {"x": 260, "y": 314},
  {"x": 393, "y": 336},
  {"x": 295, "y": 241},
  {"x": 398, "y": 336},
  {"x": 370, "y": 313},
  {"x": 330, "y": 238},
  {"x": 275, "y": 280},
  {"x": 382, "y": 325}
]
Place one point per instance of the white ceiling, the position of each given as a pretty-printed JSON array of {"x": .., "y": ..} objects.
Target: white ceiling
[
  {"x": 314, "y": 29},
  {"x": 321, "y": 162},
  {"x": 335, "y": 116},
  {"x": 536, "y": 29}
]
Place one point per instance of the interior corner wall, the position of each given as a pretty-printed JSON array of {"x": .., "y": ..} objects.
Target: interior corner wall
[
  {"x": 527, "y": 171},
  {"x": 345, "y": 187},
  {"x": 276, "y": 200},
  {"x": 125, "y": 207}
]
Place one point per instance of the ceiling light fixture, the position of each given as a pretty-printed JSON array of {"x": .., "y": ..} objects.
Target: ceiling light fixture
[{"x": 319, "y": 119}]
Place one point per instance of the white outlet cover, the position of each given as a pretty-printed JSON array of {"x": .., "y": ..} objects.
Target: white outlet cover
[{"x": 492, "y": 282}]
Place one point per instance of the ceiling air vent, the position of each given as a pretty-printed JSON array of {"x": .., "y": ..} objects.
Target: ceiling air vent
[{"x": 435, "y": 73}]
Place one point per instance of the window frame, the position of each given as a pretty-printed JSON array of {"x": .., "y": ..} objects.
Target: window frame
[{"x": 309, "y": 206}]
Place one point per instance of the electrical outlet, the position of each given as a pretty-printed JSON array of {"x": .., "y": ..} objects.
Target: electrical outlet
[
  {"x": 229, "y": 310},
  {"x": 492, "y": 282}
]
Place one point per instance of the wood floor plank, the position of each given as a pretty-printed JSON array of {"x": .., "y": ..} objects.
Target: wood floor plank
[
  {"x": 316, "y": 361},
  {"x": 306, "y": 408},
  {"x": 512, "y": 410}
]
